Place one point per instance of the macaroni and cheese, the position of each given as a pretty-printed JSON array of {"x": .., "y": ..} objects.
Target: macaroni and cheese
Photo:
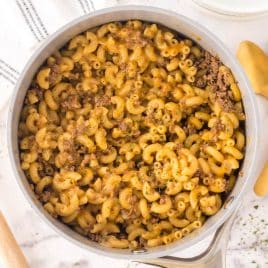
[{"x": 132, "y": 134}]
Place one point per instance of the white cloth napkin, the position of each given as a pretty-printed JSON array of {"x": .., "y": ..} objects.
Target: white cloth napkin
[{"x": 24, "y": 24}]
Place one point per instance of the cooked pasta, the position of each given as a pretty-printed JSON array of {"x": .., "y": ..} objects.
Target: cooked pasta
[{"x": 132, "y": 135}]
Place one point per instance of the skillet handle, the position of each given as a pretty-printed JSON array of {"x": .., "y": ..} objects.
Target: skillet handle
[{"x": 213, "y": 257}]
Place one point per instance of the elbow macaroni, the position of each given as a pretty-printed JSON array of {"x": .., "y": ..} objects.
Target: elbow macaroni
[{"x": 122, "y": 139}]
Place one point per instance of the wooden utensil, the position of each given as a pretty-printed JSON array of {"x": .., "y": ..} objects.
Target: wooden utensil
[
  {"x": 261, "y": 185},
  {"x": 11, "y": 255},
  {"x": 255, "y": 63}
]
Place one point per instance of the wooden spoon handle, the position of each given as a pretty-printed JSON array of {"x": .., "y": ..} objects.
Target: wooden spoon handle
[
  {"x": 11, "y": 255},
  {"x": 261, "y": 185}
]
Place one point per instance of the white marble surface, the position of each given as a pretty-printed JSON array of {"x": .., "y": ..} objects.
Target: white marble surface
[{"x": 248, "y": 243}]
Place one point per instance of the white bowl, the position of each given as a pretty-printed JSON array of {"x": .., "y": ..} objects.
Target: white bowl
[{"x": 235, "y": 7}]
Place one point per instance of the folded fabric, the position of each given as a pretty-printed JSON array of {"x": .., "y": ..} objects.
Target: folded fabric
[{"x": 24, "y": 24}]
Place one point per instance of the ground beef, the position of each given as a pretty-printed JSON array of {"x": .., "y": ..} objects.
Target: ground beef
[
  {"x": 68, "y": 145},
  {"x": 135, "y": 38},
  {"x": 200, "y": 82},
  {"x": 71, "y": 78},
  {"x": 123, "y": 126},
  {"x": 72, "y": 158},
  {"x": 103, "y": 100},
  {"x": 222, "y": 82},
  {"x": 38, "y": 91},
  {"x": 31, "y": 139},
  {"x": 189, "y": 130},
  {"x": 131, "y": 213},
  {"x": 217, "y": 127},
  {"x": 225, "y": 101},
  {"x": 71, "y": 102},
  {"x": 209, "y": 65},
  {"x": 213, "y": 68},
  {"x": 123, "y": 66},
  {"x": 78, "y": 129},
  {"x": 86, "y": 97},
  {"x": 192, "y": 57},
  {"x": 54, "y": 74},
  {"x": 179, "y": 146},
  {"x": 45, "y": 196},
  {"x": 77, "y": 68}
]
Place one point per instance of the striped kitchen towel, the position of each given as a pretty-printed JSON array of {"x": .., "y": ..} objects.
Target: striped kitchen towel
[{"x": 24, "y": 24}]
